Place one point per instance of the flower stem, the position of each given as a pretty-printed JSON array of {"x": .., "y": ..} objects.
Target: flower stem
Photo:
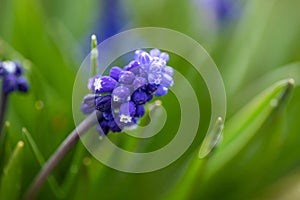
[
  {"x": 94, "y": 56},
  {"x": 3, "y": 105},
  {"x": 62, "y": 150}
]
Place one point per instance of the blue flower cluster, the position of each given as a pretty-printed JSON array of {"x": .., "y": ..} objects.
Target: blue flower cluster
[
  {"x": 11, "y": 72},
  {"x": 120, "y": 97}
]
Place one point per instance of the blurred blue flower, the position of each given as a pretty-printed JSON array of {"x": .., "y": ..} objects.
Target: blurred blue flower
[
  {"x": 11, "y": 73},
  {"x": 120, "y": 97},
  {"x": 112, "y": 19},
  {"x": 221, "y": 11}
]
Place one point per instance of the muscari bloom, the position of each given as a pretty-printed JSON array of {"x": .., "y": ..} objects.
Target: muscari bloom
[
  {"x": 13, "y": 80},
  {"x": 113, "y": 18},
  {"x": 223, "y": 11},
  {"x": 119, "y": 99}
]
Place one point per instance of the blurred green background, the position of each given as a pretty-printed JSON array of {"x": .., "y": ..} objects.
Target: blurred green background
[{"x": 254, "y": 44}]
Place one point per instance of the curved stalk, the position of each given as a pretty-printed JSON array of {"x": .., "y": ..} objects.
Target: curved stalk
[
  {"x": 62, "y": 150},
  {"x": 4, "y": 98}
]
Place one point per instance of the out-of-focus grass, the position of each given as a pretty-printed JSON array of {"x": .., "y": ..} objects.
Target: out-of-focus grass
[{"x": 49, "y": 38}]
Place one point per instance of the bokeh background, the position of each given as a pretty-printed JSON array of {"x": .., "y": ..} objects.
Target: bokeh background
[{"x": 253, "y": 43}]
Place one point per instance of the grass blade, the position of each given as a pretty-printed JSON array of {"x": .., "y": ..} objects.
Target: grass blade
[
  {"x": 245, "y": 124},
  {"x": 39, "y": 157},
  {"x": 12, "y": 175},
  {"x": 212, "y": 139}
]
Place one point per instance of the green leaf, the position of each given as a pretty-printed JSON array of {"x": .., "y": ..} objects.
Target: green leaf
[
  {"x": 238, "y": 57},
  {"x": 5, "y": 146},
  {"x": 189, "y": 179},
  {"x": 212, "y": 139},
  {"x": 286, "y": 188},
  {"x": 83, "y": 188},
  {"x": 193, "y": 171},
  {"x": 287, "y": 71},
  {"x": 39, "y": 157},
  {"x": 12, "y": 175},
  {"x": 3, "y": 140},
  {"x": 74, "y": 169},
  {"x": 245, "y": 124}
]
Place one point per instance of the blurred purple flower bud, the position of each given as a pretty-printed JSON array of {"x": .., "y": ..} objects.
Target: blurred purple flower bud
[
  {"x": 2, "y": 70},
  {"x": 10, "y": 67},
  {"x": 22, "y": 84},
  {"x": 11, "y": 72},
  {"x": 9, "y": 83},
  {"x": 221, "y": 12},
  {"x": 18, "y": 70}
]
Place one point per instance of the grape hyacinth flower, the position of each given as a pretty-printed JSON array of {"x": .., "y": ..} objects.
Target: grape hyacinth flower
[
  {"x": 221, "y": 12},
  {"x": 120, "y": 98},
  {"x": 11, "y": 73},
  {"x": 112, "y": 19}
]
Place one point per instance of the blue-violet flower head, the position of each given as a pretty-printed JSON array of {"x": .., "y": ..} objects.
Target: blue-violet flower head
[
  {"x": 13, "y": 79},
  {"x": 120, "y": 98}
]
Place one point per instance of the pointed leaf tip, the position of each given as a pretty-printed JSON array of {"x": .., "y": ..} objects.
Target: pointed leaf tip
[
  {"x": 291, "y": 82},
  {"x": 10, "y": 183},
  {"x": 20, "y": 144},
  {"x": 158, "y": 103},
  {"x": 93, "y": 41},
  {"x": 245, "y": 124},
  {"x": 284, "y": 96},
  {"x": 212, "y": 139},
  {"x": 7, "y": 124}
]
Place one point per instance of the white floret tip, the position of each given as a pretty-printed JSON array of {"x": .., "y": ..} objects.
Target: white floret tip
[
  {"x": 10, "y": 67},
  {"x": 125, "y": 118},
  {"x": 98, "y": 84}
]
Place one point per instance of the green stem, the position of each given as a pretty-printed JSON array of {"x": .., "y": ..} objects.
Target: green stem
[
  {"x": 4, "y": 98},
  {"x": 94, "y": 56}
]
